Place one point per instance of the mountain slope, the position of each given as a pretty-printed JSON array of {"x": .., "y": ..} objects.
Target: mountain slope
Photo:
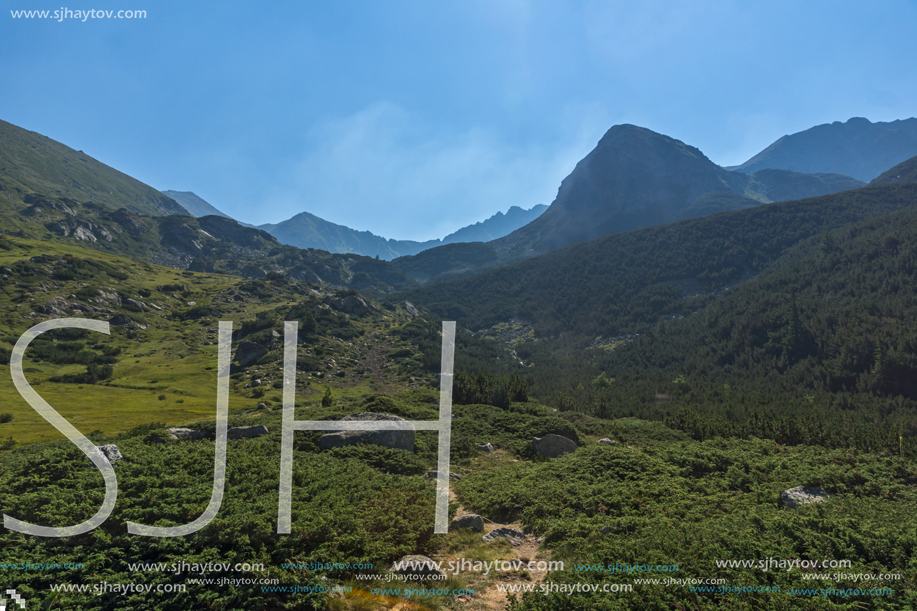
[
  {"x": 194, "y": 204},
  {"x": 856, "y": 148},
  {"x": 32, "y": 163},
  {"x": 496, "y": 226},
  {"x": 906, "y": 171},
  {"x": 624, "y": 282}
]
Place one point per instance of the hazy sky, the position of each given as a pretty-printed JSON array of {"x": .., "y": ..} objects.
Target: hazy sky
[{"x": 412, "y": 119}]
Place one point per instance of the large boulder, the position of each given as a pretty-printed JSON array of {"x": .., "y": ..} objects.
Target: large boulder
[
  {"x": 471, "y": 520},
  {"x": 795, "y": 497},
  {"x": 552, "y": 446},
  {"x": 246, "y": 432},
  {"x": 249, "y": 352},
  {"x": 399, "y": 440}
]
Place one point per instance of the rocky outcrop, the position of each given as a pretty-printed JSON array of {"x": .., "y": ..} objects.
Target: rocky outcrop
[
  {"x": 798, "y": 496},
  {"x": 552, "y": 446},
  {"x": 515, "y": 536},
  {"x": 79, "y": 229},
  {"x": 399, "y": 439},
  {"x": 352, "y": 305}
]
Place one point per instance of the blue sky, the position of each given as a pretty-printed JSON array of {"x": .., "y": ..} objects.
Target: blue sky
[{"x": 412, "y": 119}]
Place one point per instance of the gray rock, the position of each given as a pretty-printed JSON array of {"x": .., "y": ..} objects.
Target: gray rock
[
  {"x": 435, "y": 475},
  {"x": 111, "y": 452},
  {"x": 262, "y": 405},
  {"x": 249, "y": 352},
  {"x": 486, "y": 447},
  {"x": 471, "y": 520},
  {"x": 56, "y": 306},
  {"x": 400, "y": 440},
  {"x": 552, "y": 446},
  {"x": 795, "y": 497},
  {"x": 415, "y": 564},
  {"x": 246, "y": 432},
  {"x": 353, "y": 305},
  {"x": 605, "y": 530},
  {"x": 179, "y": 433},
  {"x": 608, "y": 441},
  {"x": 256, "y": 382},
  {"x": 515, "y": 536},
  {"x": 136, "y": 304}
]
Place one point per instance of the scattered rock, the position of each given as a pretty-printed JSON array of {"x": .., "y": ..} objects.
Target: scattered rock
[
  {"x": 515, "y": 536},
  {"x": 398, "y": 439},
  {"x": 139, "y": 305},
  {"x": 249, "y": 352},
  {"x": 179, "y": 433},
  {"x": 246, "y": 432},
  {"x": 256, "y": 382},
  {"x": 119, "y": 320},
  {"x": 471, "y": 520},
  {"x": 415, "y": 564},
  {"x": 111, "y": 452},
  {"x": 608, "y": 441},
  {"x": 795, "y": 497},
  {"x": 552, "y": 446},
  {"x": 486, "y": 447}
]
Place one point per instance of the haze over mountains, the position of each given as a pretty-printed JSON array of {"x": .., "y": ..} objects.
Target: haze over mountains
[{"x": 633, "y": 178}]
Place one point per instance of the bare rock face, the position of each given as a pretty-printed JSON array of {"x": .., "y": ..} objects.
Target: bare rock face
[
  {"x": 411, "y": 309},
  {"x": 399, "y": 440},
  {"x": 80, "y": 229},
  {"x": 798, "y": 496},
  {"x": 471, "y": 520},
  {"x": 552, "y": 446},
  {"x": 249, "y": 352}
]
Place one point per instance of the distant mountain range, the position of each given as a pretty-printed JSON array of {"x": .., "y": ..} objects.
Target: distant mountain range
[
  {"x": 306, "y": 230},
  {"x": 856, "y": 148},
  {"x": 633, "y": 178}
]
